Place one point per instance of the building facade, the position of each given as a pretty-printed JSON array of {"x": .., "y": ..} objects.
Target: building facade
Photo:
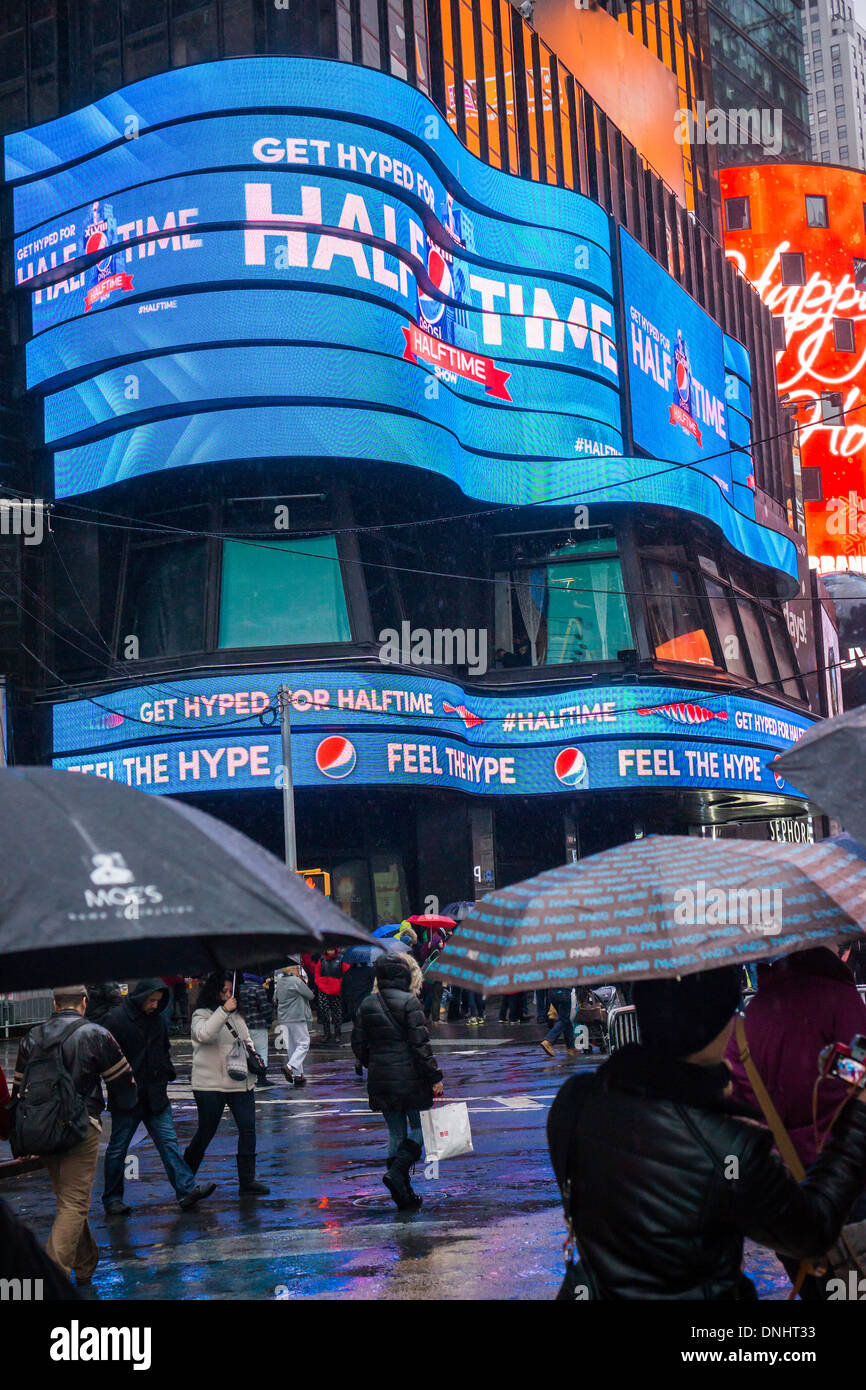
[
  {"x": 836, "y": 71},
  {"x": 454, "y": 422}
]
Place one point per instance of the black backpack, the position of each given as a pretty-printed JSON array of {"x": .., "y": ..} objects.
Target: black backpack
[
  {"x": 50, "y": 1114},
  {"x": 331, "y": 969}
]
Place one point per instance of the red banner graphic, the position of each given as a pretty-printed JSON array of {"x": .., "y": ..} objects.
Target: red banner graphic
[
  {"x": 470, "y": 365},
  {"x": 682, "y": 418},
  {"x": 121, "y": 281}
]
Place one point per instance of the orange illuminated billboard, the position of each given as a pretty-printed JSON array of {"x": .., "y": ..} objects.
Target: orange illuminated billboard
[
  {"x": 633, "y": 88},
  {"x": 797, "y": 231}
]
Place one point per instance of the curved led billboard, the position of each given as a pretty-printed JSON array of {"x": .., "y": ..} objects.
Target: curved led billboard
[
  {"x": 353, "y": 729},
  {"x": 272, "y": 257},
  {"x": 403, "y": 279}
]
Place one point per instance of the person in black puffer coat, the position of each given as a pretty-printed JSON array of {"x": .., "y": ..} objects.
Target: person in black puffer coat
[
  {"x": 663, "y": 1181},
  {"x": 390, "y": 1039}
]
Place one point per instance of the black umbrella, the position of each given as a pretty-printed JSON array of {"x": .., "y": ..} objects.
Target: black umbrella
[
  {"x": 829, "y": 764},
  {"x": 100, "y": 881}
]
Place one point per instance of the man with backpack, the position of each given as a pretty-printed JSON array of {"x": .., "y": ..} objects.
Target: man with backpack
[
  {"x": 57, "y": 1097},
  {"x": 330, "y": 970}
]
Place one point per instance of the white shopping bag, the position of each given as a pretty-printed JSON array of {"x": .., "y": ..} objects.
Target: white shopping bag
[{"x": 446, "y": 1131}]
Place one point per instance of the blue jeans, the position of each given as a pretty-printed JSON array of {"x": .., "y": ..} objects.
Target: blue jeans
[
  {"x": 402, "y": 1124},
  {"x": 563, "y": 1024},
  {"x": 161, "y": 1130}
]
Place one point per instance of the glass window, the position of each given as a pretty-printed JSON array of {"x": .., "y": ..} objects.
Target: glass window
[
  {"x": 793, "y": 268},
  {"x": 194, "y": 38},
  {"x": 12, "y": 57},
  {"x": 756, "y": 641},
  {"x": 142, "y": 14},
  {"x": 389, "y": 887},
  {"x": 145, "y": 56},
  {"x": 282, "y": 593},
  {"x": 816, "y": 211},
  {"x": 721, "y": 606},
  {"x": 843, "y": 152},
  {"x": 843, "y": 335},
  {"x": 164, "y": 598},
  {"x": 780, "y": 341},
  {"x": 676, "y": 616},
  {"x": 237, "y": 17},
  {"x": 737, "y": 214},
  {"x": 350, "y": 890},
  {"x": 784, "y": 652},
  {"x": 573, "y": 608}
]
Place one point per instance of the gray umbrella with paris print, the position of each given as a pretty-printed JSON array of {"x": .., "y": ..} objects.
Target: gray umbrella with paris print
[{"x": 664, "y": 906}]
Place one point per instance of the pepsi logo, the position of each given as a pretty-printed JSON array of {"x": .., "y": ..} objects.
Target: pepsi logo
[
  {"x": 95, "y": 242},
  {"x": 440, "y": 274},
  {"x": 780, "y": 781},
  {"x": 683, "y": 376},
  {"x": 336, "y": 756},
  {"x": 571, "y": 768}
]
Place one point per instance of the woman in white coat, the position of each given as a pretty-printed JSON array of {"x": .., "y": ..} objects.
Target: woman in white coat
[{"x": 216, "y": 1026}]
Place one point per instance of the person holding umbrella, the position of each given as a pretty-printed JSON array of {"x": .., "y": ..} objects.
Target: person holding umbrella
[
  {"x": 390, "y": 1039},
  {"x": 662, "y": 1182},
  {"x": 216, "y": 1029}
]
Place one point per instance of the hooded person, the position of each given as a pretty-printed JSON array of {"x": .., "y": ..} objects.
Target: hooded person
[
  {"x": 140, "y": 1027},
  {"x": 803, "y": 1003},
  {"x": 662, "y": 1180},
  {"x": 390, "y": 1039}
]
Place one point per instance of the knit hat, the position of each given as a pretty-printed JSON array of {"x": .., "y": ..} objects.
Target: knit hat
[{"x": 681, "y": 1016}]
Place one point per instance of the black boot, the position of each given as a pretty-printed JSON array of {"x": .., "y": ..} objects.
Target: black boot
[
  {"x": 396, "y": 1179},
  {"x": 247, "y": 1176}
]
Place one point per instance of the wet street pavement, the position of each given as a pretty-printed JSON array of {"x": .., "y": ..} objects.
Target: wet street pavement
[{"x": 490, "y": 1227}]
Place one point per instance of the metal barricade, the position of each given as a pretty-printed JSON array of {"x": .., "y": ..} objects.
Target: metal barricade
[
  {"x": 622, "y": 1027},
  {"x": 25, "y": 1008}
]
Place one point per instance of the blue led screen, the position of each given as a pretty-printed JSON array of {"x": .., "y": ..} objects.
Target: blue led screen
[
  {"x": 275, "y": 256},
  {"x": 353, "y": 729}
]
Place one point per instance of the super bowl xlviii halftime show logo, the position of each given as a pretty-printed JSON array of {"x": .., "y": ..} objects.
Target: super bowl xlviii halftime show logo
[
  {"x": 442, "y": 337},
  {"x": 683, "y": 407},
  {"x": 103, "y": 278}
]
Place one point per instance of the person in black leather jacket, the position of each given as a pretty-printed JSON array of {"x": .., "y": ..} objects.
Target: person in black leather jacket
[
  {"x": 664, "y": 1181},
  {"x": 390, "y": 1038},
  {"x": 91, "y": 1056}
]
